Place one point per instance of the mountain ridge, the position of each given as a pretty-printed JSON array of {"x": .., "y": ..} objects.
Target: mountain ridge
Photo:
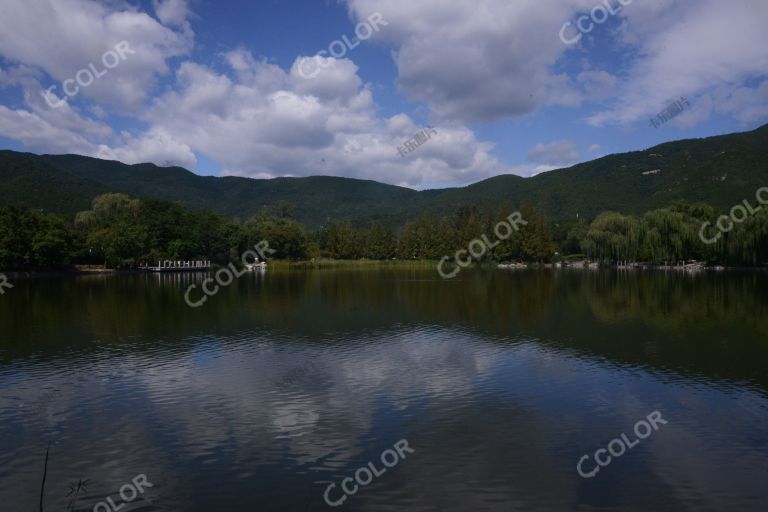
[{"x": 719, "y": 170}]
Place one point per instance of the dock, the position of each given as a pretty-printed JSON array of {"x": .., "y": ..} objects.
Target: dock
[{"x": 178, "y": 266}]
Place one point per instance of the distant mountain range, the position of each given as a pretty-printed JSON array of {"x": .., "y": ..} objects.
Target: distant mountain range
[{"x": 720, "y": 170}]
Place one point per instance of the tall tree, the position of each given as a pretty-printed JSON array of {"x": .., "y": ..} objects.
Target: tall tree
[{"x": 535, "y": 240}]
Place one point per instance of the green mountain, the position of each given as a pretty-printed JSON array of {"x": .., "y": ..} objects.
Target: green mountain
[{"x": 721, "y": 171}]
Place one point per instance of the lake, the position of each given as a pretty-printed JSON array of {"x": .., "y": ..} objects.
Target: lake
[{"x": 295, "y": 391}]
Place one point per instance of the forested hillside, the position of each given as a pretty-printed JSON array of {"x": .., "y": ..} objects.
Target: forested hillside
[{"x": 719, "y": 171}]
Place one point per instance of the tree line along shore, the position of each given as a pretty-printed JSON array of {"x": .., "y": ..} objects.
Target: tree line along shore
[{"x": 120, "y": 232}]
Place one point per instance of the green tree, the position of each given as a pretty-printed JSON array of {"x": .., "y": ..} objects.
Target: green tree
[
  {"x": 341, "y": 241},
  {"x": 32, "y": 240},
  {"x": 379, "y": 243},
  {"x": 535, "y": 240},
  {"x": 612, "y": 237}
]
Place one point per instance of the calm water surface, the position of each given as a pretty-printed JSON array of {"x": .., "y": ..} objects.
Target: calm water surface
[{"x": 286, "y": 382}]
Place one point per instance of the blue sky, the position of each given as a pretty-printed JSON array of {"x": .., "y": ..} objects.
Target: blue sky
[{"x": 223, "y": 87}]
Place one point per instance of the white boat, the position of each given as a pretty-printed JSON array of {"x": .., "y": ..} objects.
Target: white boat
[
  {"x": 514, "y": 265},
  {"x": 252, "y": 267}
]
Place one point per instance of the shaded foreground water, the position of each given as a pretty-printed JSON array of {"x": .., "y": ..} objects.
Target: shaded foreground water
[{"x": 286, "y": 382}]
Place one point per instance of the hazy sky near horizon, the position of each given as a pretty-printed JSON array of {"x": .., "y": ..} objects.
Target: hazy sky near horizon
[{"x": 233, "y": 87}]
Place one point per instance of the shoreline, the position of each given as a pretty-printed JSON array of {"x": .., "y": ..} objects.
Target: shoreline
[{"x": 329, "y": 264}]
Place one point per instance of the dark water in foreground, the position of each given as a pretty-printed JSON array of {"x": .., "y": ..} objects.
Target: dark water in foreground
[{"x": 286, "y": 382}]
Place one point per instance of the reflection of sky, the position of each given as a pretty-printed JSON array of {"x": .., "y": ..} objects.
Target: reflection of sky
[{"x": 253, "y": 420}]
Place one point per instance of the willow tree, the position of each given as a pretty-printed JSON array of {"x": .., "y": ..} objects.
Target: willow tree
[
  {"x": 668, "y": 236},
  {"x": 613, "y": 237},
  {"x": 747, "y": 243}
]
